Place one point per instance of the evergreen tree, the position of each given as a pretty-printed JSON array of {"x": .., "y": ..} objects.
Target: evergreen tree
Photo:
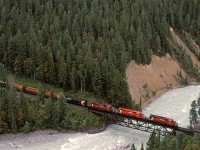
[
  {"x": 142, "y": 147},
  {"x": 133, "y": 147},
  {"x": 151, "y": 144},
  {"x": 61, "y": 43},
  {"x": 173, "y": 144},
  {"x": 180, "y": 141},
  {"x": 73, "y": 79},
  {"x": 198, "y": 105},
  {"x": 193, "y": 113},
  {"x": 3, "y": 72},
  {"x": 26, "y": 127},
  {"x": 55, "y": 114}
]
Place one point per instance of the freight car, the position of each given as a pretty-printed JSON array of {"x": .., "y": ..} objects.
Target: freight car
[
  {"x": 77, "y": 101},
  {"x": 56, "y": 95},
  {"x": 18, "y": 87},
  {"x": 31, "y": 90},
  {"x": 47, "y": 94},
  {"x": 131, "y": 113},
  {"x": 163, "y": 120}
]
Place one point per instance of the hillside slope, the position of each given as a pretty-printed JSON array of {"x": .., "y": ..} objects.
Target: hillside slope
[{"x": 149, "y": 81}]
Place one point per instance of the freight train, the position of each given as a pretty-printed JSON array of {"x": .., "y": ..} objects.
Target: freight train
[
  {"x": 99, "y": 106},
  {"x": 123, "y": 111},
  {"x": 27, "y": 89}
]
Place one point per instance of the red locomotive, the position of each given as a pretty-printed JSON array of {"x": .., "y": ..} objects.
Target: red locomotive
[
  {"x": 103, "y": 107},
  {"x": 132, "y": 113},
  {"x": 163, "y": 120}
]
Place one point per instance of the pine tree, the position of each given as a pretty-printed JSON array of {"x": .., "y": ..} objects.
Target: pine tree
[
  {"x": 96, "y": 81},
  {"x": 198, "y": 105},
  {"x": 26, "y": 128},
  {"x": 193, "y": 113},
  {"x": 133, "y": 147},
  {"x": 55, "y": 114},
  {"x": 151, "y": 142},
  {"x": 180, "y": 141},
  {"x": 13, "y": 111},
  {"x": 3, "y": 72},
  {"x": 139, "y": 47},
  {"x": 173, "y": 144},
  {"x": 73, "y": 79},
  {"x": 3, "y": 16},
  {"x": 142, "y": 147}
]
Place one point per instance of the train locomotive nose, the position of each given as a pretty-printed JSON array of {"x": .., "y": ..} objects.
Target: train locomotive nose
[
  {"x": 69, "y": 99},
  {"x": 83, "y": 103}
]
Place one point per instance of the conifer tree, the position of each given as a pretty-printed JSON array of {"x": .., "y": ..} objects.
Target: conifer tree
[
  {"x": 142, "y": 147},
  {"x": 133, "y": 147},
  {"x": 193, "y": 113},
  {"x": 198, "y": 105},
  {"x": 73, "y": 79}
]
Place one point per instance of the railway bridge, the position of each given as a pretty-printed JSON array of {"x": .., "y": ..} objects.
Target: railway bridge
[{"x": 145, "y": 125}]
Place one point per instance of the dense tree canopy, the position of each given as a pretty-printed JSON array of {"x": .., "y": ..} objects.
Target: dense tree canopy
[
  {"x": 85, "y": 45},
  {"x": 25, "y": 114},
  {"x": 178, "y": 142}
]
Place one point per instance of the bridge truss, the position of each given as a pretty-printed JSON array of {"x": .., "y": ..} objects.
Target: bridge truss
[{"x": 147, "y": 127}]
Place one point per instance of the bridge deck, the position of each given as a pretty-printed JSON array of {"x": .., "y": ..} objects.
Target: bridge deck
[{"x": 146, "y": 124}]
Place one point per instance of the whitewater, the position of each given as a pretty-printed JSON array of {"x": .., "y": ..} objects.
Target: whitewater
[{"x": 174, "y": 104}]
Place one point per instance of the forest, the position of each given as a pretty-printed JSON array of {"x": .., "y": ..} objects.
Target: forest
[
  {"x": 20, "y": 113},
  {"x": 85, "y": 45}
]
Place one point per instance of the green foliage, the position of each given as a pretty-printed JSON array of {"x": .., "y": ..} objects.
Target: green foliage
[
  {"x": 179, "y": 142},
  {"x": 26, "y": 128},
  {"x": 133, "y": 147},
  {"x": 181, "y": 79},
  {"x": 3, "y": 72},
  {"x": 142, "y": 147},
  {"x": 22, "y": 113},
  {"x": 187, "y": 64},
  {"x": 86, "y": 45},
  {"x": 154, "y": 141},
  {"x": 194, "y": 115}
]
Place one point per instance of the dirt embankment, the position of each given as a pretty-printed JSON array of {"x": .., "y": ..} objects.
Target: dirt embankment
[
  {"x": 149, "y": 81},
  {"x": 146, "y": 82}
]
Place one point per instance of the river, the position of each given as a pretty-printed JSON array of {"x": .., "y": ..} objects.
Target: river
[{"x": 174, "y": 104}]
